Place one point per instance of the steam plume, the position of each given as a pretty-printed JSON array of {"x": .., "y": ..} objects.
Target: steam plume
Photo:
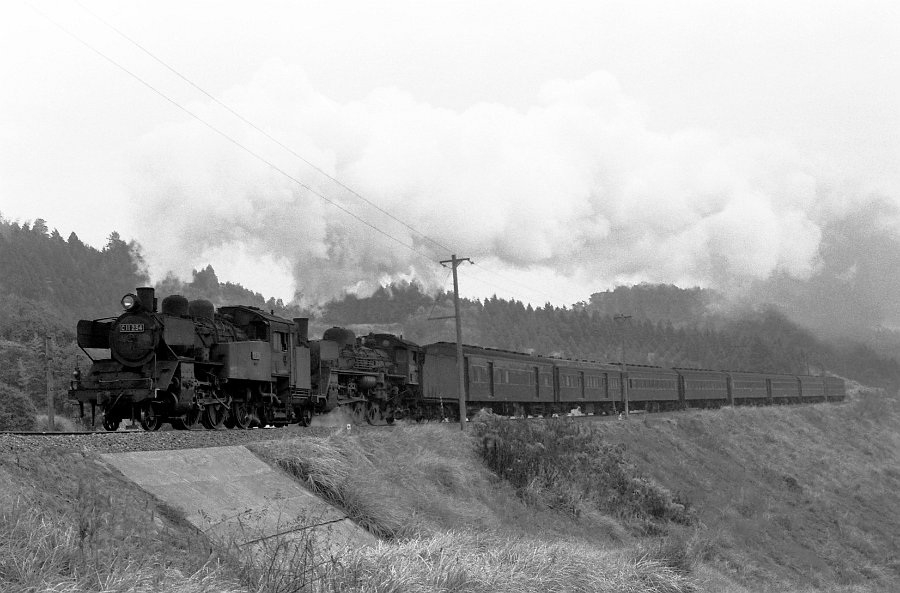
[{"x": 573, "y": 193}]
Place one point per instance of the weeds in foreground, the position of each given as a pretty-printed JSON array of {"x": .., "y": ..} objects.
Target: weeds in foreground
[
  {"x": 457, "y": 562},
  {"x": 41, "y": 551},
  {"x": 84, "y": 550},
  {"x": 682, "y": 550},
  {"x": 568, "y": 466}
]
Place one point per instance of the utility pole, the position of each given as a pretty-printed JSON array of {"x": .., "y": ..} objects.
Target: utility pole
[
  {"x": 624, "y": 319},
  {"x": 51, "y": 417},
  {"x": 459, "y": 350}
]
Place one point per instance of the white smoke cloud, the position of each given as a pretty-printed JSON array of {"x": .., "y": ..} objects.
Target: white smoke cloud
[{"x": 574, "y": 194}]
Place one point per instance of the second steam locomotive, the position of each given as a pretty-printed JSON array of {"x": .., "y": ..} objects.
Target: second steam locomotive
[{"x": 187, "y": 363}]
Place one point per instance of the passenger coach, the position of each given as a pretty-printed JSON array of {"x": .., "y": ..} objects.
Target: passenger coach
[{"x": 519, "y": 384}]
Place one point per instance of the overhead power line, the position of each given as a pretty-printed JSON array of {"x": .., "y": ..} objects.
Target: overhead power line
[
  {"x": 279, "y": 143},
  {"x": 290, "y": 150},
  {"x": 224, "y": 135}
]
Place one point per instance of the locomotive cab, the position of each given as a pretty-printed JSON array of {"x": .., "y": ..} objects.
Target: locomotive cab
[{"x": 276, "y": 353}]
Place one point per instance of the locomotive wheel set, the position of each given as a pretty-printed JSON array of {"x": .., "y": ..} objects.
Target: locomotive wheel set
[{"x": 237, "y": 367}]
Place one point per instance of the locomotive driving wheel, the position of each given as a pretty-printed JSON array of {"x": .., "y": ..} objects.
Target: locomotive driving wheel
[
  {"x": 374, "y": 414},
  {"x": 240, "y": 416},
  {"x": 186, "y": 421},
  {"x": 150, "y": 420},
  {"x": 213, "y": 416},
  {"x": 111, "y": 423},
  {"x": 358, "y": 412}
]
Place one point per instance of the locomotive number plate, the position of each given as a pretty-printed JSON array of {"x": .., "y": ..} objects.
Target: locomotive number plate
[{"x": 131, "y": 327}]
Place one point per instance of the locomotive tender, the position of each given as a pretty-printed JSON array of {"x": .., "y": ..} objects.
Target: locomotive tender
[{"x": 239, "y": 367}]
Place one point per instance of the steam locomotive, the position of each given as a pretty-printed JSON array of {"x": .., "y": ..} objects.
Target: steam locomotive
[
  {"x": 234, "y": 367},
  {"x": 239, "y": 366}
]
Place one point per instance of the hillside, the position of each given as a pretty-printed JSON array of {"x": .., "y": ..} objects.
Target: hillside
[
  {"x": 794, "y": 499},
  {"x": 799, "y": 497}
]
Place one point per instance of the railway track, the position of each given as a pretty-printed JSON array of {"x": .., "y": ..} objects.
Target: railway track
[
  {"x": 132, "y": 439},
  {"x": 122, "y": 441}
]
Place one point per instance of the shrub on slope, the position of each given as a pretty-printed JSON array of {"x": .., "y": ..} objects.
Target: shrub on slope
[
  {"x": 569, "y": 466},
  {"x": 17, "y": 411}
]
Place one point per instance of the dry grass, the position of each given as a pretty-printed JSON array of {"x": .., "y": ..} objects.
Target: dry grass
[
  {"x": 793, "y": 500},
  {"x": 76, "y": 535},
  {"x": 567, "y": 465},
  {"x": 68, "y": 524},
  {"x": 465, "y": 561},
  {"x": 452, "y": 526},
  {"x": 407, "y": 482},
  {"x": 788, "y": 498}
]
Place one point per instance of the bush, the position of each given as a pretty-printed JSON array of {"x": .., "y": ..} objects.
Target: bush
[
  {"x": 566, "y": 465},
  {"x": 17, "y": 411}
]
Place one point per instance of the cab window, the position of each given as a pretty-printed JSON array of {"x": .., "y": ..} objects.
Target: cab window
[{"x": 279, "y": 341}]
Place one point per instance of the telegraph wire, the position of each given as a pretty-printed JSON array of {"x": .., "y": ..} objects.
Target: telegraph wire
[
  {"x": 258, "y": 129},
  {"x": 281, "y": 144},
  {"x": 227, "y": 137},
  {"x": 262, "y": 159}
]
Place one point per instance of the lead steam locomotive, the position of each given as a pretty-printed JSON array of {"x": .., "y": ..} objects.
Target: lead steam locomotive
[
  {"x": 239, "y": 366},
  {"x": 233, "y": 367}
]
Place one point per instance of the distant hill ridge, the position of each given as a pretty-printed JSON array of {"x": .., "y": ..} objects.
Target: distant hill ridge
[{"x": 47, "y": 283}]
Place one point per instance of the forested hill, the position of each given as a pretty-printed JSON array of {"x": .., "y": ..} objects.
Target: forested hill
[
  {"x": 763, "y": 340},
  {"x": 657, "y": 303},
  {"x": 47, "y": 283}
]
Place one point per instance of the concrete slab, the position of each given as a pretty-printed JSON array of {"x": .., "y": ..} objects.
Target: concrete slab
[{"x": 240, "y": 501}]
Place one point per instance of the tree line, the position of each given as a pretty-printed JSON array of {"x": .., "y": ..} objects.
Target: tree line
[{"x": 47, "y": 283}]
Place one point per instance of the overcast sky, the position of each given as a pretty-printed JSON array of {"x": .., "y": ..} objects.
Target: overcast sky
[{"x": 565, "y": 146}]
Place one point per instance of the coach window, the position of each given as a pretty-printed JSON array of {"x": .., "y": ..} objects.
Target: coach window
[{"x": 492, "y": 377}]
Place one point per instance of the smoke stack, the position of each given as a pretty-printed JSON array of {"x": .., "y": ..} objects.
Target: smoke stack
[
  {"x": 302, "y": 324},
  {"x": 146, "y": 295}
]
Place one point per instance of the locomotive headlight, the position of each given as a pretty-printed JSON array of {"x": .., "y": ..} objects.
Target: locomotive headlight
[{"x": 129, "y": 301}]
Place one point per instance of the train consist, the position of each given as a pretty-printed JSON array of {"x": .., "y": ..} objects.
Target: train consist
[{"x": 239, "y": 366}]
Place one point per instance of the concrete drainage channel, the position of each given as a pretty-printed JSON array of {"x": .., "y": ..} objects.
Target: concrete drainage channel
[{"x": 242, "y": 503}]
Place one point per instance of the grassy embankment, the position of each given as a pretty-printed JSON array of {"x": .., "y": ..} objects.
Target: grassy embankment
[
  {"x": 804, "y": 497},
  {"x": 796, "y": 499}
]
